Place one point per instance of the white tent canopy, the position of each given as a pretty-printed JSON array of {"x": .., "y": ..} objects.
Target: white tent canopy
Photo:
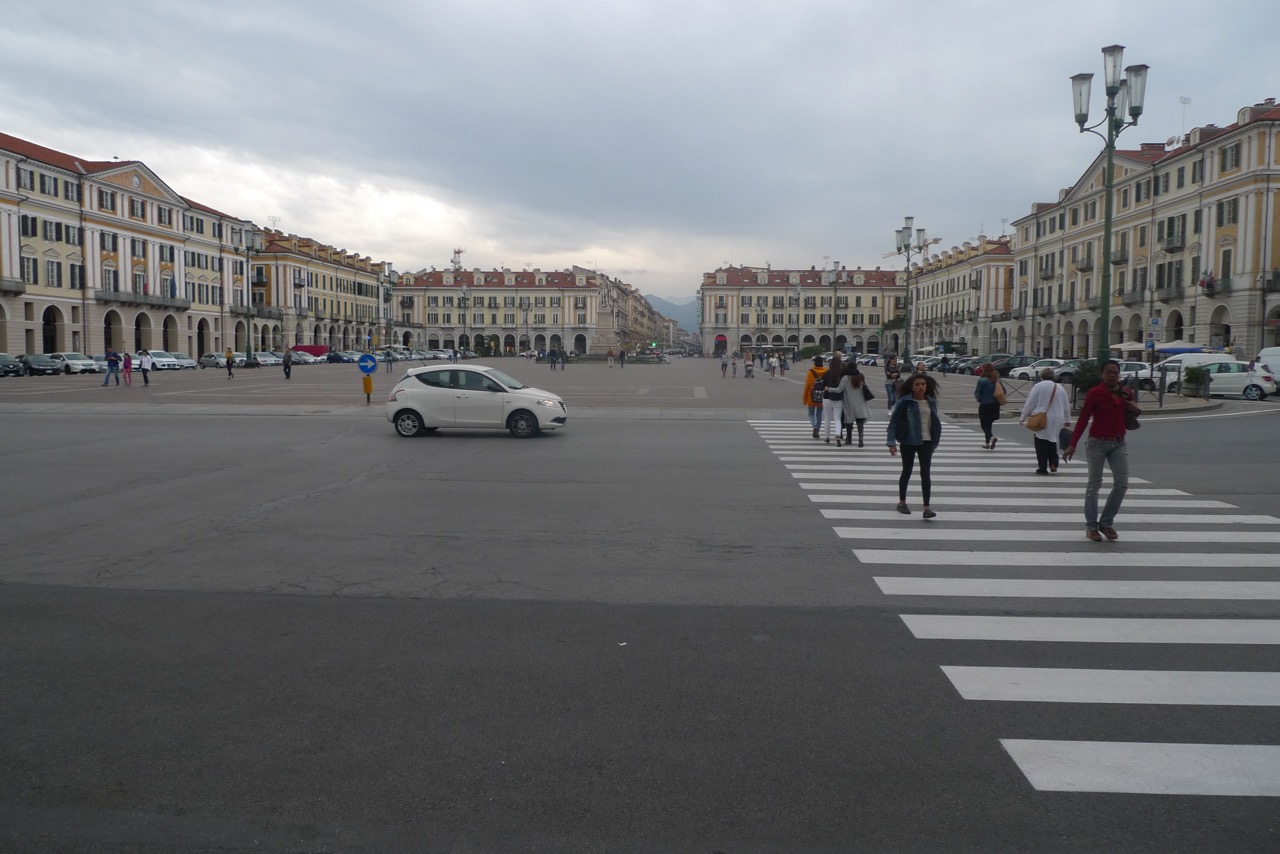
[{"x": 1128, "y": 345}]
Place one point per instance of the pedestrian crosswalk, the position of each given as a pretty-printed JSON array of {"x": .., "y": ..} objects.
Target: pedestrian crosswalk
[{"x": 1005, "y": 533}]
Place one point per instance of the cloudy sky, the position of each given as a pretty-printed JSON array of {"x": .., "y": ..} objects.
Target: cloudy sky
[{"x": 650, "y": 139}]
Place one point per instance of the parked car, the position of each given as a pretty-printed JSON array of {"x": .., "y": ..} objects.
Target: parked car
[
  {"x": 1066, "y": 372},
  {"x": 10, "y": 367},
  {"x": 267, "y": 359},
  {"x": 1032, "y": 371},
  {"x": 219, "y": 360},
  {"x": 75, "y": 363},
  {"x": 473, "y": 396},
  {"x": 161, "y": 360},
  {"x": 302, "y": 357},
  {"x": 185, "y": 362},
  {"x": 38, "y": 363},
  {"x": 1009, "y": 363},
  {"x": 1233, "y": 378}
]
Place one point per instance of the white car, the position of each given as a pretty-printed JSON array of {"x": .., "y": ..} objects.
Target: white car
[
  {"x": 161, "y": 360},
  {"x": 1233, "y": 378},
  {"x": 185, "y": 362},
  {"x": 474, "y": 396},
  {"x": 75, "y": 363},
  {"x": 1032, "y": 371},
  {"x": 302, "y": 357}
]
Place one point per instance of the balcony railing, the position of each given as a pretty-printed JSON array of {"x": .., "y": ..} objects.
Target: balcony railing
[
  {"x": 1001, "y": 317},
  {"x": 1044, "y": 310},
  {"x": 1120, "y": 256},
  {"x": 269, "y": 312},
  {"x": 1084, "y": 264},
  {"x": 406, "y": 302},
  {"x": 1219, "y": 286},
  {"x": 975, "y": 284},
  {"x": 1066, "y": 306},
  {"x": 1169, "y": 294},
  {"x": 1047, "y": 273},
  {"x": 1175, "y": 243},
  {"x": 1095, "y": 303},
  {"x": 1133, "y": 297},
  {"x": 972, "y": 315},
  {"x": 150, "y": 300},
  {"x": 12, "y": 286},
  {"x": 1019, "y": 313}
]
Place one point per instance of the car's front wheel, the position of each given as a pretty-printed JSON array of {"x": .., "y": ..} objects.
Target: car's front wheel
[
  {"x": 1171, "y": 388},
  {"x": 408, "y": 423},
  {"x": 1254, "y": 392},
  {"x": 522, "y": 424}
]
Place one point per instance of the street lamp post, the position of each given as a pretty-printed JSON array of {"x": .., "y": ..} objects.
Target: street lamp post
[
  {"x": 1124, "y": 95},
  {"x": 835, "y": 281},
  {"x": 250, "y": 243},
  {"x": 524, "y": 307},
  {"x": 906, "y": 248},
  {"x": 799, "y": 318},
  {"x": 464, "y": 303}
]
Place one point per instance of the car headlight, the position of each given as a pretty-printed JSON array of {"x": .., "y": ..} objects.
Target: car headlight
[{"x": 544, "y": 401}]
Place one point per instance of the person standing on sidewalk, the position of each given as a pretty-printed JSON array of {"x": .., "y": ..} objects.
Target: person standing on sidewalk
[
  {"x": 145, "y": 363},
  {"x": 1045, "y": 397},
  {"x": 288, "y": 364},
  {"x": 113, "y": 367},
  {"x": 1107, "y": 406},
  {"x": 987, "y": 392},
  {"x": 892, "y": 373},
  {"x": 916, "y": 426},
  {"x": 814, "y": 407},
  {"x": 231, "y": 361}
]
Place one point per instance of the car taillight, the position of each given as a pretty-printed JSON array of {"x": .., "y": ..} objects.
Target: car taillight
[
  {"x": 394, "y": 396},
  {"x": 1267, "y": 378}
]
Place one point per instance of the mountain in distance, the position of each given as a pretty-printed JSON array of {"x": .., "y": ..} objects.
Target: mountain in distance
[{"x": 683, "y": 310}]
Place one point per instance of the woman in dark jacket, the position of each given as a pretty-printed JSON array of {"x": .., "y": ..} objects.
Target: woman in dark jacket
[
  {"x": 988, "y": 407},
  {"x": 915, "y": 426}
]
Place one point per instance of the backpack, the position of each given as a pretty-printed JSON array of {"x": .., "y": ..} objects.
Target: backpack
[{"x": 819, "y": 387}]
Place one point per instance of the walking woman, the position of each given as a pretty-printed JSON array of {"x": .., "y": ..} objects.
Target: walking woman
[
  {"x": 854, "y": 409},
  {"x": 814, "y": 407},
  {"x": 915, "y": 426},
  {"x": 988, "y": 392},
  {"x": 892, "y": 373},
  {"x": 1048, "y": 402},
  {"x": 145, "y": 363},
  {"x": 773, "y": 366},
  {"x": 832, "y": 400},
  {"x": 126, "y": 369}
]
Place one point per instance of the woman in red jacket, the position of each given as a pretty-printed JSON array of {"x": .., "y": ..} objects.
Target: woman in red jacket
[{"x": 1105, "y": 408}]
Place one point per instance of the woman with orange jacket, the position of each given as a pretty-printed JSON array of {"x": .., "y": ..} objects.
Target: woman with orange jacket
[{"x": 815, "y": 409}]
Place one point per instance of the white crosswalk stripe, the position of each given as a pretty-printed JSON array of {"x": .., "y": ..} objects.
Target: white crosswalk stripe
[{"x": 1003, "y": 532}]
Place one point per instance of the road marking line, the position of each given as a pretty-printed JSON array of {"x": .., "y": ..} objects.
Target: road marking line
[
  {"x": 952, "y": 499},
  {"x": 1033, "y": 535},
  {"x": 1092, "y": 629},
  {"x": 1154, "y": 687},
  {"x": 1013, "y": 517},
  {"x": 1058, "y": 489},
  {"x": 1047, "y": 588},
  {"x": 1244, "y": 770},
  {"x": 1092, "y": 556}
]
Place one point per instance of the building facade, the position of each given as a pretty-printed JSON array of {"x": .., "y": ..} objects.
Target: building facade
[
  {"x": 754, "y": 308},
  {"x": 514, "y": 311},
  {"x": 957, "y": 295},
  {"x": 97, "y": 254},
  {"x": 1194, "y": 249}
]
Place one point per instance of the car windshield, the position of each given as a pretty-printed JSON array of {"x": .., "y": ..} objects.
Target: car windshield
[
  {"x": 181, "y": 356},
  {"x": 160, "y": 354},
  {"x": 509, "y": 382},
  {"x": 81, "y": 356}
]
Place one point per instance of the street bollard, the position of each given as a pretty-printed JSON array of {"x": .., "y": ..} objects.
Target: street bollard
[{"x": 368, "y": 389}]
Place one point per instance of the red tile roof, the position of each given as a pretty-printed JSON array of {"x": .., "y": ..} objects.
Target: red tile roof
[
  {"x": 59, "y": 159},
  {"x": 812, "y": 277}
]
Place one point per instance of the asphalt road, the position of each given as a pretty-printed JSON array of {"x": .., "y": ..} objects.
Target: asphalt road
[{"x": 258, "y": 620}]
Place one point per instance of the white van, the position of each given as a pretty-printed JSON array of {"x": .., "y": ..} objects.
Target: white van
[{"x": 1270, "y": 356}]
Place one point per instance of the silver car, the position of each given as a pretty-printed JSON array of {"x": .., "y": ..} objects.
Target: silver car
[{"x": 75, "y": 363}]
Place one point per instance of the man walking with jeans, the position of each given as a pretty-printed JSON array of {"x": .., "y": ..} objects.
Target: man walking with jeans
[
  {"x": 1106, "y": 406},
  {"x": 113, "y": 367}
]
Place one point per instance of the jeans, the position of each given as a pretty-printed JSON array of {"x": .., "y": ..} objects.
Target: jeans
[
  {"x": 909, "y": 454},
  {"x": 815, "y": 416},
  {"x": 1116, "y": 456},
  {"x": 988, "y": 414},
  {"x": 112, "y": 369},
  {"x": 889, "y": 396}
]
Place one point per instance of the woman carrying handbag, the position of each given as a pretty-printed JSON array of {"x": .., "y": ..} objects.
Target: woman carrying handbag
[
  {"x": 854, "y": 408},
  {"x": 1045, "y": 414}
]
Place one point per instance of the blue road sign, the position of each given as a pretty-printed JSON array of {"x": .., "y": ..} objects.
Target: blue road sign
[
  {"x": 367, "y": 364},
  {"x": 1151, "y": 345}
]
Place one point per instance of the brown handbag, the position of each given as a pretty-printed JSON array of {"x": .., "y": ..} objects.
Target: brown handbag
[{"x": 1039, "y": 420}]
